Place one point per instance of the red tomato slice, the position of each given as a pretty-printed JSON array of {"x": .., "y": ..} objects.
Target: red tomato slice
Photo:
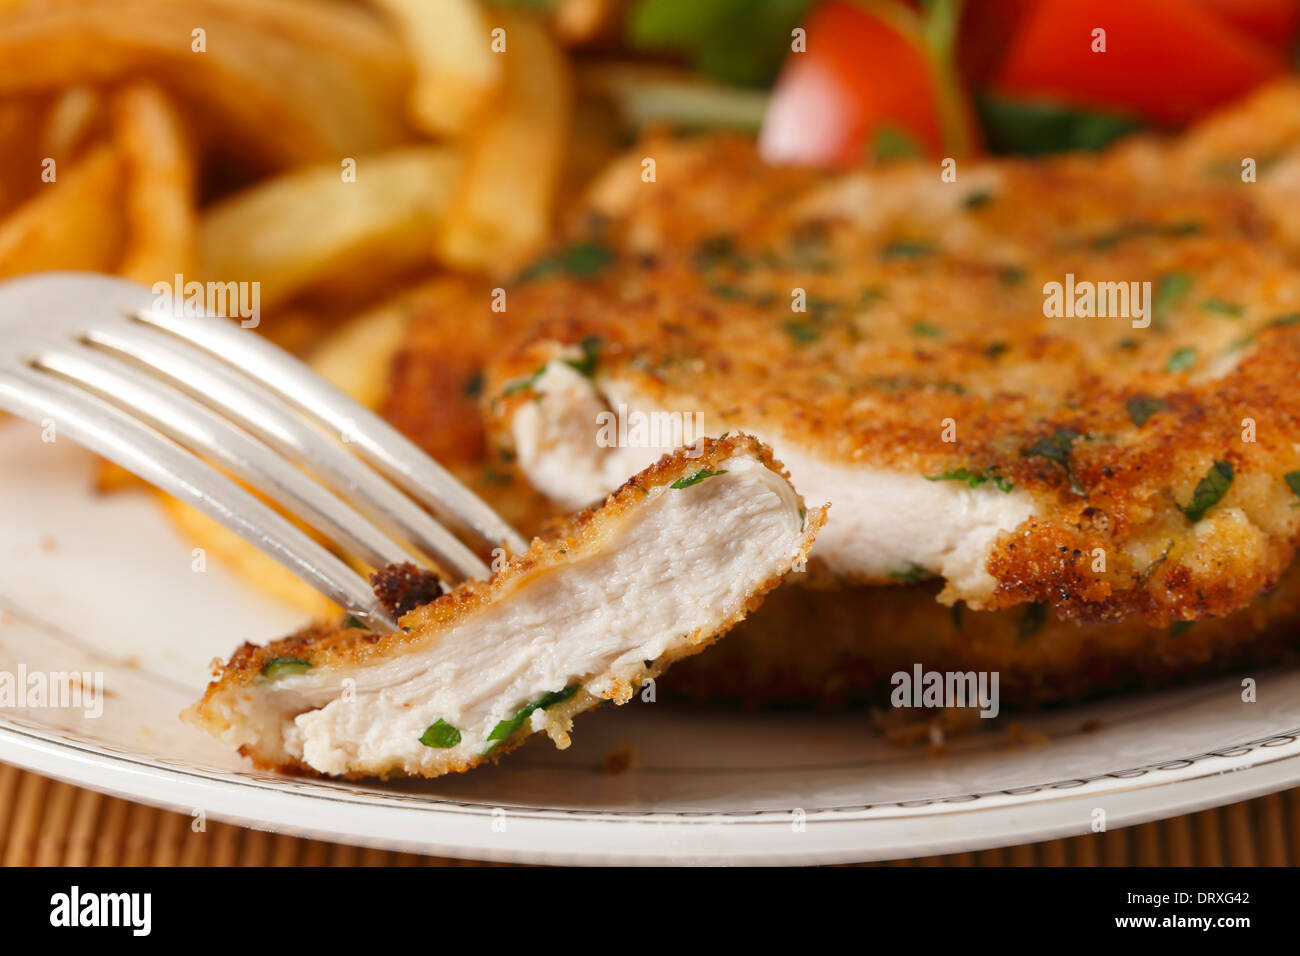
[
  {"x": 857, "y": 76},
  {"x": 1167, "y": 60},
  {"x": 1273, "y": 22},
  {"x": 987, "y": 27}
]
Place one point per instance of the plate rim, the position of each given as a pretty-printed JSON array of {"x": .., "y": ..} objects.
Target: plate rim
[{"x": 443, "y": 828}]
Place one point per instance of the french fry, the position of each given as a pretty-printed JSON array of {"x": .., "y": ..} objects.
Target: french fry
[
  {"x": 581, "y": 21},
  {"x": 356, "y": 356},
  {"x": 265, "y": 573},
  {"x": 160, "y": 218},
  {"x": 74, "y": 222},
  {"x": 284, "y": 81},
  {"x": 110, "y": 478},
  {"x": 310, "y": 224},
  {"x": 75, "y": 122},
  {"x": 160, "y": 206},
  {"x": 20, "y": 166},
  {"x": 295, "y": 330},
  {"x": 502, "y": 210},
  {"x": 457, "y": 74}
]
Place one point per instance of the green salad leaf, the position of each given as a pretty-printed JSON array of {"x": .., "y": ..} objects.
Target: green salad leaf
[
  {"x": 1038, "y": 127},
  {"x": 737, "y": 41}
]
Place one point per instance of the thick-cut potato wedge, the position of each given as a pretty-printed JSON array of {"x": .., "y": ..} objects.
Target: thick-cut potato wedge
[
  {"x": 310, "y": 225},
  {"x": 457, "y": 74},
  {"x": 502, "y": 211},
  {"x": 286, "y": 81},
  {"x": 74, "y": 222},
  {"x": 160, "y": 171}
]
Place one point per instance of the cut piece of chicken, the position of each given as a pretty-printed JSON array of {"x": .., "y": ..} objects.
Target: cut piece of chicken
[
  {"x": 888, "y": 524},
  {"x": 669, "y": 562}
]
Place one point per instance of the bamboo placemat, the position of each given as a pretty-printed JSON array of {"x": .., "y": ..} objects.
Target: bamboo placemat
[{"x": 47, "y": 823}]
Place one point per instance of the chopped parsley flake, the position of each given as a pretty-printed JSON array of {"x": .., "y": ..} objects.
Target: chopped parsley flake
[
  {"x": 973, "y": 478},
  {"x": 1181, "y": 360},
  {"x": 904, "y": 249},
  {"x": 278, "y": 667},
  {"x": 440, "y": 735},
  {"x": 696, "y": 478},
  {"x": 729, "y": 292},
  {"x": 353, "y": 621},
  {"x": 1220, "y": 307},
  {"x": 803, "y": 333},
  {"x": 1209, "y": 490},
  {"x": 1057, "y": 449},
  {"x": 1171, "y": 288},
  {"x": 1136, "y": 230},
  {"x": 870, "y": 296},
  {"x": 927, "y": 330},
  {"x": 521, "y": 384},
  {"x": 584, "y": 366},
  {"x": 915, "y": 574},
  {"x": 506, "y": 728},
  {"x": 590, "y": 353},
  {"x": 1142, "y": 407},
  {"x": 714, "y": 251},
  {"x": 581, "y": 260},
  {"x": 1292, "y": 479}
]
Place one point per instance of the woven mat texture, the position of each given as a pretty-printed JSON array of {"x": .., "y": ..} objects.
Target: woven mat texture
[{"x": 47, "y": 823}]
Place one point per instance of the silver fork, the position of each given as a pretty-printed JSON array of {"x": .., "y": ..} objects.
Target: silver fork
[{"x": 158, "y": 394}]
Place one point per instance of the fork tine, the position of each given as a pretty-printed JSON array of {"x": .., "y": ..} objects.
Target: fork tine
[
  {"x": 258, "y": 410},
  {"x": 196, "y": 427},
  {"x": 110, "y": 432},
  {"x": 389, "y": 451}
]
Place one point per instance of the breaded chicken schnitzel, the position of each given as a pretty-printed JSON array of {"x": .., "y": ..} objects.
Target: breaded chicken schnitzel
[{"x": 893, "y": 336}]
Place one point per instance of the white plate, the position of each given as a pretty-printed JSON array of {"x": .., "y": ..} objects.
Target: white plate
[{"x": 90, "y": 583}]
